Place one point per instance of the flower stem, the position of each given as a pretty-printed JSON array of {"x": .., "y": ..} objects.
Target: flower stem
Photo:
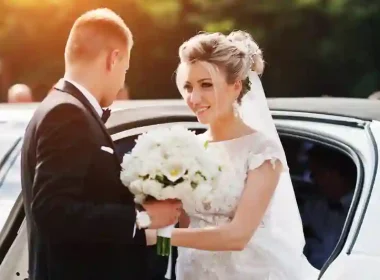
[{"x": 163, "y": 246}]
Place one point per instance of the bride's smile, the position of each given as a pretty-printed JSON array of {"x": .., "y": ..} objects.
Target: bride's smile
[{"x": 210, "y": 103}]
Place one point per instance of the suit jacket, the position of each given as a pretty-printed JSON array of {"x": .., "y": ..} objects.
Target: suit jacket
[{"x": 80, "y": 217}]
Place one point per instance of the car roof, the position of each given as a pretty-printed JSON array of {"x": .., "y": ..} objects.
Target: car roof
[
  {"x": 364, "y": 109},
  {"x": 359, "y": 108}
]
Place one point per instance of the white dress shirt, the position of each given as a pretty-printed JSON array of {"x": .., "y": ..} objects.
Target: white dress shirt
[{"x": 88, "y": 96}]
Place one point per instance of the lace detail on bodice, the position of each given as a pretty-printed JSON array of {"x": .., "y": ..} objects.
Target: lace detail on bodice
[
  {"x": 256, "y": 261},
  {"x": 239, "y": 155}
]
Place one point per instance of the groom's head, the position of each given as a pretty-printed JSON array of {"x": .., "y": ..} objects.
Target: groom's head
[{"x": 98, "y": 51}]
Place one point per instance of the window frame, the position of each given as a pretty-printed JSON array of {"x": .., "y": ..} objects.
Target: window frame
[
  {"x": 349, "y": 151},
  {"x": 294, "y": 133},
  {"x": 16, "y": 215}
]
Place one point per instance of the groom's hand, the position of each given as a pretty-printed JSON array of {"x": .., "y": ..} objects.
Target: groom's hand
[{"x": 163, "y": 213}]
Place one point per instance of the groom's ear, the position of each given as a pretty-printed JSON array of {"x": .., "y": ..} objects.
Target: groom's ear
[{"x": 112, "y": 58}]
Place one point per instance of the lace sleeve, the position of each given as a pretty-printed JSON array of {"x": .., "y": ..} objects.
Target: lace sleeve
[{"x": 266, "y": 150}]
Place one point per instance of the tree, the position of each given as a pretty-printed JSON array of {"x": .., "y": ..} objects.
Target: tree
[{"x": 311, "y": 47}]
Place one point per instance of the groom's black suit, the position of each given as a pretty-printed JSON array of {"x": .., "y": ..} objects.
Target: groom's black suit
[{"x": 80, "y": 217}]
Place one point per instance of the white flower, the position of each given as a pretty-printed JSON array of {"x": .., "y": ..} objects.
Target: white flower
[
  {"x": 136, "y": 187},
  {"x": 171, "y": 154},
  {"x": 183, "y": 189},
  {"x": 173, "y": 170},
  {"x": 152, "y": 188},
  {"x": 139, "y": 198},
  {"x": 127, "y": 158},
  {"x": 168, "y": 193}
]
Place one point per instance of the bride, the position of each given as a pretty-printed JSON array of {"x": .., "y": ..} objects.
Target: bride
[{"x": 251, "y": 229}]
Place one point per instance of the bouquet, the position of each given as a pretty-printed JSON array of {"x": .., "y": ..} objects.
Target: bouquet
[{"x": 169, "y": 163}]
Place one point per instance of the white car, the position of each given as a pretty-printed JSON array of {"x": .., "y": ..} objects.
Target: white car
[{"x": 348, "y": 129}]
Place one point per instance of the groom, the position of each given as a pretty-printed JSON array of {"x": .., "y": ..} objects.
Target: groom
[{"x": 81, "y": 220}]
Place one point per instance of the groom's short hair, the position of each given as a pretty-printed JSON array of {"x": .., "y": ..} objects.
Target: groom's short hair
[{"x": 95, "y": 31}]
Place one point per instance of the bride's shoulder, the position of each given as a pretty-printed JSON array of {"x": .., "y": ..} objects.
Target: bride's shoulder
[
  {"x": 263, "y": 148},
  {"x": 259, "y": 142}
]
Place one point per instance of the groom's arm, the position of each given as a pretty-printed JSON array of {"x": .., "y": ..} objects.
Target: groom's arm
[{"x": 64, "y": 155}]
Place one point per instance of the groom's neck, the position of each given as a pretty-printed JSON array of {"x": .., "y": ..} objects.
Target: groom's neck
[{"x": 86, "y": 80}]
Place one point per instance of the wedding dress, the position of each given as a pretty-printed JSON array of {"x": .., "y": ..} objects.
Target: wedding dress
[{"x": 273, "y": 252}]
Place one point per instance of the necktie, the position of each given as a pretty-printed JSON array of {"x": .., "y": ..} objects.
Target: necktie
[{"x": 106, "y": 114}]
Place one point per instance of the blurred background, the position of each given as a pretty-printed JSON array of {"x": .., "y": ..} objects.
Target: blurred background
[{"x": 311, "y": 47}]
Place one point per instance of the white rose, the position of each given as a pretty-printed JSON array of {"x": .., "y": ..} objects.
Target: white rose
[
  {"x": 127, "y": 158},
  {"x": 147, "y": 167},
  {"x": 136, "y": 187},
  {"x": 152, "y": 187},
  {"x": 139, "y": 198},
  {"x": 169, "y": 193},
  {"x": 183, "y": 189},
  {"x": 193, "y": 167},
  {"x": 131, "y": 168}
]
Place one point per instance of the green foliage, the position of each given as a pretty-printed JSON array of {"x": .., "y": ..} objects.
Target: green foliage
[
  {"x": 164, "y": 12},
  {"x": 311, "y": 47}
]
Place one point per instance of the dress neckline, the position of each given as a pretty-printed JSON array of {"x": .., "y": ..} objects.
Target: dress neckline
[{"x": 249, "y": 135}]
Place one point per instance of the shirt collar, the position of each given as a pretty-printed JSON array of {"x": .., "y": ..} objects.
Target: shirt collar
[{"x": 88, "y": 96}]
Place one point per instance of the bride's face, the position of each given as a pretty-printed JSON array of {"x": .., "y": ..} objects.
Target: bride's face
[{"x": 208, "y": 96}]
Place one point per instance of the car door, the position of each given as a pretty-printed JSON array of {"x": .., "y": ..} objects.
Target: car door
[
  {"x": 356, "y": 138},
  {"x": 362, "y": 253},
  {"x": 351, "y": 136},
  {"x": 10, "y": 187},
  {"x": 11, "y": 213}
]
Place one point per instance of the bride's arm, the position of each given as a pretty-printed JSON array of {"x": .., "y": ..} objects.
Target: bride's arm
[{"x": 260, "y": 186}]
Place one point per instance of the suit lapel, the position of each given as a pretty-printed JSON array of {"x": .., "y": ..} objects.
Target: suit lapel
[{"x": 69, "y": 88}]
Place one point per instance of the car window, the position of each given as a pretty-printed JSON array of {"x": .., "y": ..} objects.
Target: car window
[
  {"x": 7, "y": 140},
  {"x": 324, "y": 181},
  {"x": 10, "y": 183},
  {"x": 10, "y": 187}
]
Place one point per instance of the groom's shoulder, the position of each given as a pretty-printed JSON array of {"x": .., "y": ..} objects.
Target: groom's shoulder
[
  {"x": 59, "y": 106},
  {"x": 58, "y": 99}
]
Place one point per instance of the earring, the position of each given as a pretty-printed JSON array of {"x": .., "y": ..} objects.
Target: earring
[{"x": 235, "y": 107}]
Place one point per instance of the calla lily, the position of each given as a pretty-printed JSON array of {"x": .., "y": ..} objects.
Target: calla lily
[{"x": 173, "y": 170}]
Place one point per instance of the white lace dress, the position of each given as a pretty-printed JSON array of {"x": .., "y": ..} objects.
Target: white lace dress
[{"x": 271, "y": 254}]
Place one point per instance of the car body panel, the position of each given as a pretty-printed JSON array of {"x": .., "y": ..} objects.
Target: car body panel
[
  {"x": 352, "y": 132},
  {"x": 368, "y": 241}
]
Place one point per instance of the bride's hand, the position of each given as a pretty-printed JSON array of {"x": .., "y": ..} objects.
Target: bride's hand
[{"x": 151, "y": 237}]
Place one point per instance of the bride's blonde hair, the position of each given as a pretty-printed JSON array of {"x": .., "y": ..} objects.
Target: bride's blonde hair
[{"x": 236, "y": 54}]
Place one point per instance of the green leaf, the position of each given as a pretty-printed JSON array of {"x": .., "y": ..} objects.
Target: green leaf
[
  {"x": 166, "y": 182},
  {"x": 200, "y": 174},
  {"x": 145, "y": 177},
  {"x": 194, "y": 185},
  {"x": 206, "y": 144}
]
